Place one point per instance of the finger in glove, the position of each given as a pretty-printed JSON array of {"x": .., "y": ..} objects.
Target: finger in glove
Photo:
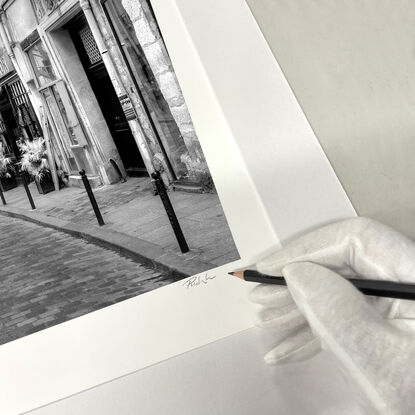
[
  {"x": 273, "y": 295},
  {"x": 300, "y": 346},
  {"x": 280, "y": 318}
]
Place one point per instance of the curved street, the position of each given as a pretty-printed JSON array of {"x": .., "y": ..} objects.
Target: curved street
[{"x": 48, "y": 277}]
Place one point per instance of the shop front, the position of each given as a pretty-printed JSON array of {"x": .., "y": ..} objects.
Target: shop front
[
  {"x": 101, "y": 72},
  {"x": 49, "y": 65}
]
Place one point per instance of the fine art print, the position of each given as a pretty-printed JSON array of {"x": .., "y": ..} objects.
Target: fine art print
[
  {"x": 304, "y": 113},
  {"x": 105, "y": 190}
]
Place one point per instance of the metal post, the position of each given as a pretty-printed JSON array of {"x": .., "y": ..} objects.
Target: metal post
[
  {"x": 170, "y": 211},
  {"x": 2, "y": 195},
  {"x": 92, "y": 198},
  {"x": 26, "y": 187}
]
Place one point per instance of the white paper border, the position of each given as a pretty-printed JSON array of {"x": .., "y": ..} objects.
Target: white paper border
[{"x": 272, "y": 178}]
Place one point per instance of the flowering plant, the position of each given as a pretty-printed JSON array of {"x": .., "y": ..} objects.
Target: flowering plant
[
  {"x": 34, "y": 157},
  {"x": 6, "y": 165}
]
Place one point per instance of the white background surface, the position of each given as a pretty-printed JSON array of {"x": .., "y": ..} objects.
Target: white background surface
[
  {"x": 223, "y": 378},
  {"x": 274, "y": 182},
  {"x": 351, "y": 64}
]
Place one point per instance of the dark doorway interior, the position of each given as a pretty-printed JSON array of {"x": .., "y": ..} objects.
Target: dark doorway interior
[
  {"x": 10, "y": 128},
  {"x": 106, "y": 96}
]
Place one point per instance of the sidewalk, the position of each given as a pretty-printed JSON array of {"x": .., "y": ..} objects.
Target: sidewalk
[{"x": 135, "y": 222}]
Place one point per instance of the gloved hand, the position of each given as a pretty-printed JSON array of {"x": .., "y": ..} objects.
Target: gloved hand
[{"x": 378, "y": 356}]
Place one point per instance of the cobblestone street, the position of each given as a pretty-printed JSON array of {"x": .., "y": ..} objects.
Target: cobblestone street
[
  {"x": 48, "y": 277},
  {"x": 132, "y": 209}
]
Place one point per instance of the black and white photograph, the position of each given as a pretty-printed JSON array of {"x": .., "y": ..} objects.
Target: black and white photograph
[
  {"x": 106, "y": 193},
  {"x": 207, "y": 207}
]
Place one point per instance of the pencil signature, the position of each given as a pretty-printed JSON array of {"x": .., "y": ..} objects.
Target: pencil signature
[{"x": 198, "y": 280}]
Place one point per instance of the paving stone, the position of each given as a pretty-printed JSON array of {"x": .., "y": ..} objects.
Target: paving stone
[
  {"x": 25, "y": 322},
  {"x": 42, "y": 321}
]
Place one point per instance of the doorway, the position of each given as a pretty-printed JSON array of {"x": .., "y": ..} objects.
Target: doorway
[
  {"x": 106, "y": 96},
  {"x": 10, "y": 130}
]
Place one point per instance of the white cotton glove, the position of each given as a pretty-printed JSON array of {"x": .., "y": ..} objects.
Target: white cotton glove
[
  {"x": 356, "y": 247},
  {"x": 377, "y": 357},
  {"x": 369, "y": 336}
]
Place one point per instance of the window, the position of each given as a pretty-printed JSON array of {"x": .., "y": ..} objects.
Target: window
[
  {"x": 41, "y": 64},
  {"x": 23, "y": 110}
]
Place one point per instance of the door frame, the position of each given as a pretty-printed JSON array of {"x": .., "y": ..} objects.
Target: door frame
[{"x": 126, "y": 62}]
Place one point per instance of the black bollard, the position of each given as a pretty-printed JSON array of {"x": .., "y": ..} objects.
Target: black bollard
[
  {"x": 2, "y": 195},
  {"x": 92, "y": 198},
  {"x": 170, "y": 211},
  {"x": 26, "y": 187}
]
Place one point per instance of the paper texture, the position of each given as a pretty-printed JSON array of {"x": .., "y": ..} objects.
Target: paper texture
[{"x": 212, "y": 380}]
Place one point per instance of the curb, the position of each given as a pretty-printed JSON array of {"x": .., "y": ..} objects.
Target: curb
[{"x": 137, "y": 249}]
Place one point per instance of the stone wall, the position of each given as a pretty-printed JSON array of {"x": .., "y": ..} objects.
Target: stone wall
[{"x": 150, "y": 40}]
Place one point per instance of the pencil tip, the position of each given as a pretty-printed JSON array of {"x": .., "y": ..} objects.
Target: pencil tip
[{"x": 238, "y": 274}]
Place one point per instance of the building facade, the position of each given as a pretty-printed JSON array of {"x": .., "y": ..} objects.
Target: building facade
[{"x": 99, "y": 83}]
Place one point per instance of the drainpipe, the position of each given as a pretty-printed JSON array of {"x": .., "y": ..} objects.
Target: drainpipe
[{"x": 138, "y": 133}]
